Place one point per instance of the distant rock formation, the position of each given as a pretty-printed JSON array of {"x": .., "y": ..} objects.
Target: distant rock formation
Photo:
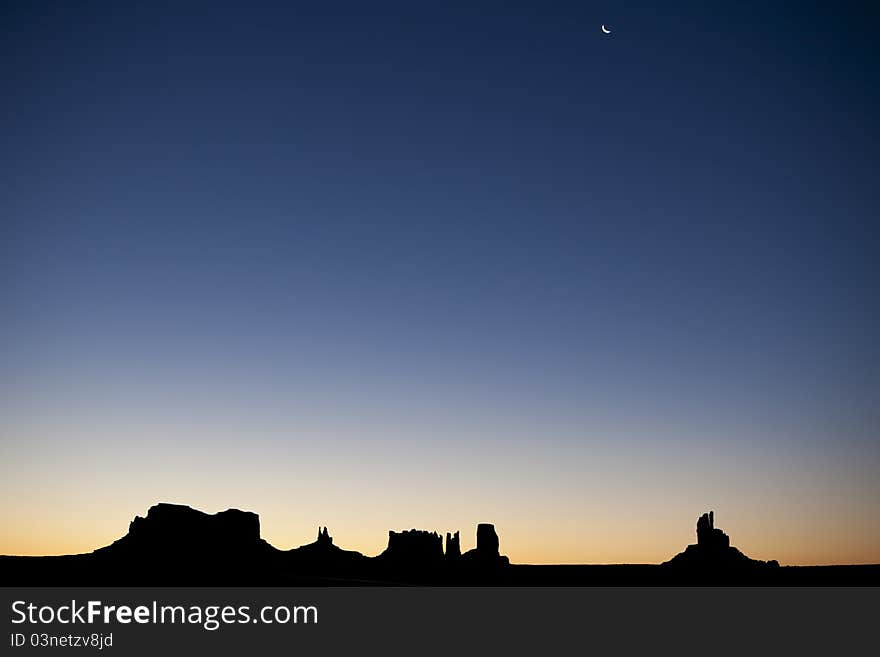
[
  {"x": 176, "y": 544},
  {"x": 710, "y": 537},
  {"x": 713, "y": 556},
  {"x": 323, "y": 537},
  {"x": 487, "y": 540},
  {"x": 321, "y": 556},
  {"x": 413, "y": 547},
  {"x": 453, "y": 546},
  {"x": 182, "y": 529},
  {"x": 487, "y": 551}
]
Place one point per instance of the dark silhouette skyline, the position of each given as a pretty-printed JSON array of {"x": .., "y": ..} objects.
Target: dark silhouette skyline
[{"x": 177, "y": 545}]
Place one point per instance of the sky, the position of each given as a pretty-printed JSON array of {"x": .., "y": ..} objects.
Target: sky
[{"x": 389, "y": 265}]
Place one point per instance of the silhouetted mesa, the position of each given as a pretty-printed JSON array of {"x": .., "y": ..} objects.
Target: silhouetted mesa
[
  {"x": 713, "y": 557},
  {"x": 175, "y": 543},
  {"x": 176, "y": 527}
]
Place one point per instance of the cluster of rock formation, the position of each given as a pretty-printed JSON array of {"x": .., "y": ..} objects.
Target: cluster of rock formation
[
  {"x": 415, "y": 547},
  {"x": 178, "y": 545}
]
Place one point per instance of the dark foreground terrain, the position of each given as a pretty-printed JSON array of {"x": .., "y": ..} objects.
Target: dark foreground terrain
[{"x": 179, "y": 546}]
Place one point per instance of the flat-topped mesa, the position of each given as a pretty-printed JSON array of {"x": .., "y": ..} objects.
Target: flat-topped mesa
[{"x": 181, "y": 528}]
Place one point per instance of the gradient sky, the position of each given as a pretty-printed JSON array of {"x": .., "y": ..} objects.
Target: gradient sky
[{"x": 389, "y": 265}]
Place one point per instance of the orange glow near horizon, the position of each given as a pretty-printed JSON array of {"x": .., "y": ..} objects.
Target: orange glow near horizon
[
  {"x": 583, "y": 502},
  {"x": 551, "y": 543}
]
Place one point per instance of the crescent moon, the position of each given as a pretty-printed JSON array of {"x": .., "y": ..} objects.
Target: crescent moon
[{"x": 606, "y": 31}]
